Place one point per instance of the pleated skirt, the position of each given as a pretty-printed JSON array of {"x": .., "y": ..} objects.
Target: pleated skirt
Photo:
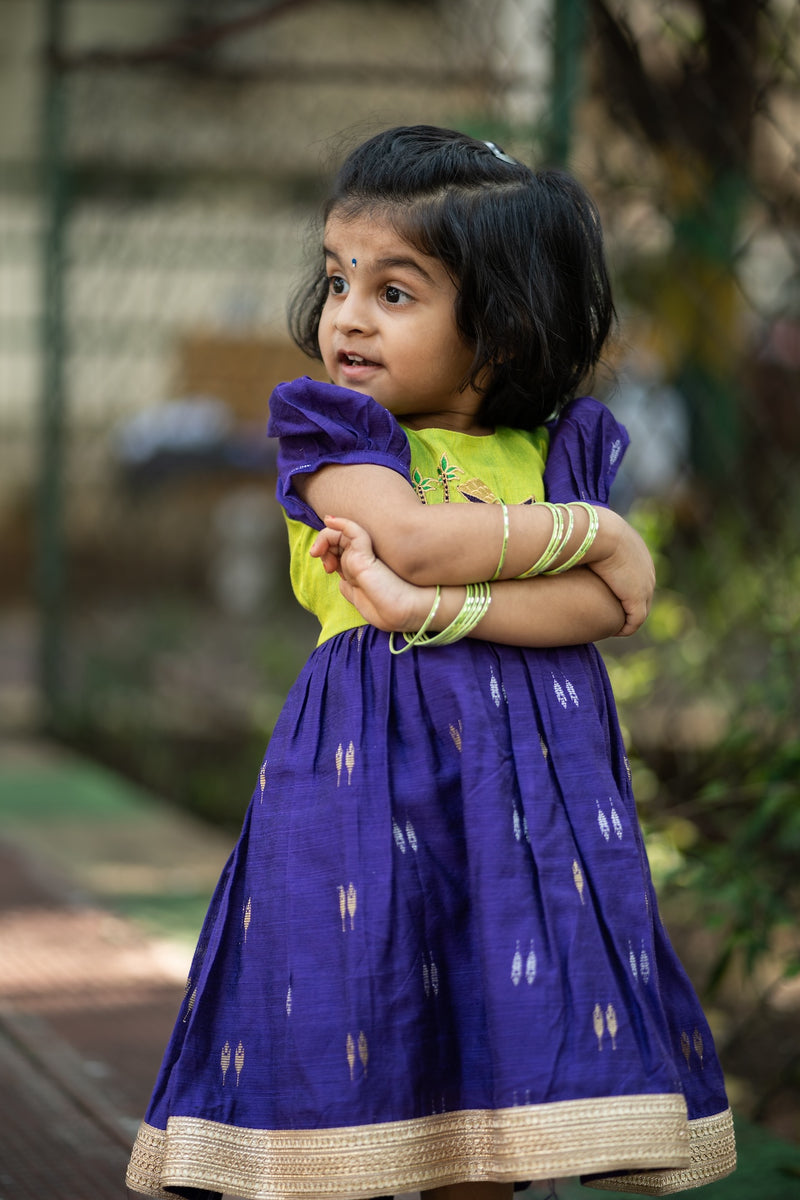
[{"x": 435, "y": 953}]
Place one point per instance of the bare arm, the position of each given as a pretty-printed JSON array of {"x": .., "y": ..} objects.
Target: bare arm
[
  {"x": 569, "y": 609},
  {"x": 460, "y": 543}
]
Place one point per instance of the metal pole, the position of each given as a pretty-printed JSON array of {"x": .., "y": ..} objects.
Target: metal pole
[
  {"x": 50, "y": 587},
  {"x": 569, "y": 20}
]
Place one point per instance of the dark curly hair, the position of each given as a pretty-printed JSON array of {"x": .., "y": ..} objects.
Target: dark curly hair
[{"x": 523, "y": 247}]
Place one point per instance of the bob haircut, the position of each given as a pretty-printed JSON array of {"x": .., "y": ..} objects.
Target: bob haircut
[{"x": 524, "y": 249}]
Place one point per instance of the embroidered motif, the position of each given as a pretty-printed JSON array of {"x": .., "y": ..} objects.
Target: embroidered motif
[
  {"x": 247, "y": 916},
  {"x": 577, "y": 876},
  {"x": 422, "y": 485},
  {"x": 398, "y": 837},
  {"x": 697, "y": 1042},
  {"x": 434, "y": 976},
  {"x": 363, "y": 1053},
  {"x": 561, "y": 695},
  {"x": 448, "y": 473},
  {"x": 516, "y": 967},
  {"x": 448, "y": 479},
  {"x": 605, "y": 1021},
  {"x": 225, "y": 1060},
  {"x": 478, "y": 492},
  {"x": 346, "y": 758},
  {"x": 598, "y": 1025},
  {"x": 411, "y": 834},
  {"x": 611, "y": 1025},
  {"x": 348, "y": 899},
  {"x": 238, "y": 1061},
  {"x": 530, "y": 966},
  {"x": 644, "y": 965},
  {"x": 190, "y": 1006},
  {"x": 633, "y": 963},
  {"x": 455, "y": 733}
]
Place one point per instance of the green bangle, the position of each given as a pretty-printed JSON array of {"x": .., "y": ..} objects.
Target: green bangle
[
  {"x": 591, "y": 534},
  {"x": 504, "y": 546},
  {"x": 553, "y": 546},
  {"x": 412, "y": 639},
  {"x": 473, "y": 610}
]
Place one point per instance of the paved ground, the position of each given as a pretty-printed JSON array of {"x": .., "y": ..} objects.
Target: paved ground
[
  {"x": 101, "y": 893},
  {"x": 102, "y": 890}
]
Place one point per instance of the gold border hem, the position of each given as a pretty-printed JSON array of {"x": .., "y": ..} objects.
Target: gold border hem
[
  {"x": 565, "y": 1138},
  {"x": 712, "y": 1146}
]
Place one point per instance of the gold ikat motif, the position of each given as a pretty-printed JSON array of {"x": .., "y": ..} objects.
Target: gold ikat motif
[
  {"x": 347, "y": 759},
  {"x": 602, "y": 1021}
]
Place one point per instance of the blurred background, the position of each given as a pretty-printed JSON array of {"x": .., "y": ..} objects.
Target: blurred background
[{"x": 161, "y": 163}]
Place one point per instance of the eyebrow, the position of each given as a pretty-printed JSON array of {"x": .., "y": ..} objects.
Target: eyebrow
[{"x": 388, "y": 264}]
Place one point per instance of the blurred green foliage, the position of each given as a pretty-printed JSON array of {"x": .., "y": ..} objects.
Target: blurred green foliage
[{"x": 711, "y": 695}]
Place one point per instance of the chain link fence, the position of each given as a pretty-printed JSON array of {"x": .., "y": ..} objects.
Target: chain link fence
[{"x": 182, "y": 154}]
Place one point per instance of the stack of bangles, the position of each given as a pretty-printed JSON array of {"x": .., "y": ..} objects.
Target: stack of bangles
[{"x": 479, "y": 596}]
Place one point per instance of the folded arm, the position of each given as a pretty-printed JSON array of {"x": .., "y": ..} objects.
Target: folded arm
[
  {"x": 451, "y": 544},
  {"x": 569, "y": 609}
]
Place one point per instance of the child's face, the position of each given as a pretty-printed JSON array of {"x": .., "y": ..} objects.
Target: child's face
[{"x": 388, "y": 327}]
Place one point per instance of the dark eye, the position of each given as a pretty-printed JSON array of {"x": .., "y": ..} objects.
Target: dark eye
[
  {"x": 393, "y": 295},
  {"x": 337, "y": 285}
]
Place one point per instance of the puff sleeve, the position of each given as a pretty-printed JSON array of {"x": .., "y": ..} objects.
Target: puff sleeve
[
  {"x": 318, "y": 424},
  {"x": 586, "y": 447}
]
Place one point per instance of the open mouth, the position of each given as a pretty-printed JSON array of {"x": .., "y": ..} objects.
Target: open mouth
[{"x": 355, "y": 360}]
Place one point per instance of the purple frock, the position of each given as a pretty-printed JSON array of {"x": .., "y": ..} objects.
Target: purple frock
[{"x": 435, "y": 953}]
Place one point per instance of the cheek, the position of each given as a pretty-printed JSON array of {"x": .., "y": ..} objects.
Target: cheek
[{"x": 324, "y": 329}]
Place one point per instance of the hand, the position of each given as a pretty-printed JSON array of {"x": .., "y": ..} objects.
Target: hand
[
  {"x": 381, "y": 597},
  {"x": 621, "y": 559}
]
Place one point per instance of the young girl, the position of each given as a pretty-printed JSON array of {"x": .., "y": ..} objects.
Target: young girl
[{"x": 434, "y": 960}]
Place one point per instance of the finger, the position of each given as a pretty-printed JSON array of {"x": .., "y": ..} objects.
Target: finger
[
  {"x": 343, "y": 525},
  {"x": 323, "y": 542}
]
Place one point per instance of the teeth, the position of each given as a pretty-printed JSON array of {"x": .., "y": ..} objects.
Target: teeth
[{"x": 355, "y": 358}]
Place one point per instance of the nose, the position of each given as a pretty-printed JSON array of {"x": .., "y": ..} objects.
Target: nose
[{"x": 352, "y": 312}]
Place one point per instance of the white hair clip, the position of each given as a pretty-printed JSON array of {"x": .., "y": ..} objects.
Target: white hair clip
[{"x": 498, "y": 153}]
